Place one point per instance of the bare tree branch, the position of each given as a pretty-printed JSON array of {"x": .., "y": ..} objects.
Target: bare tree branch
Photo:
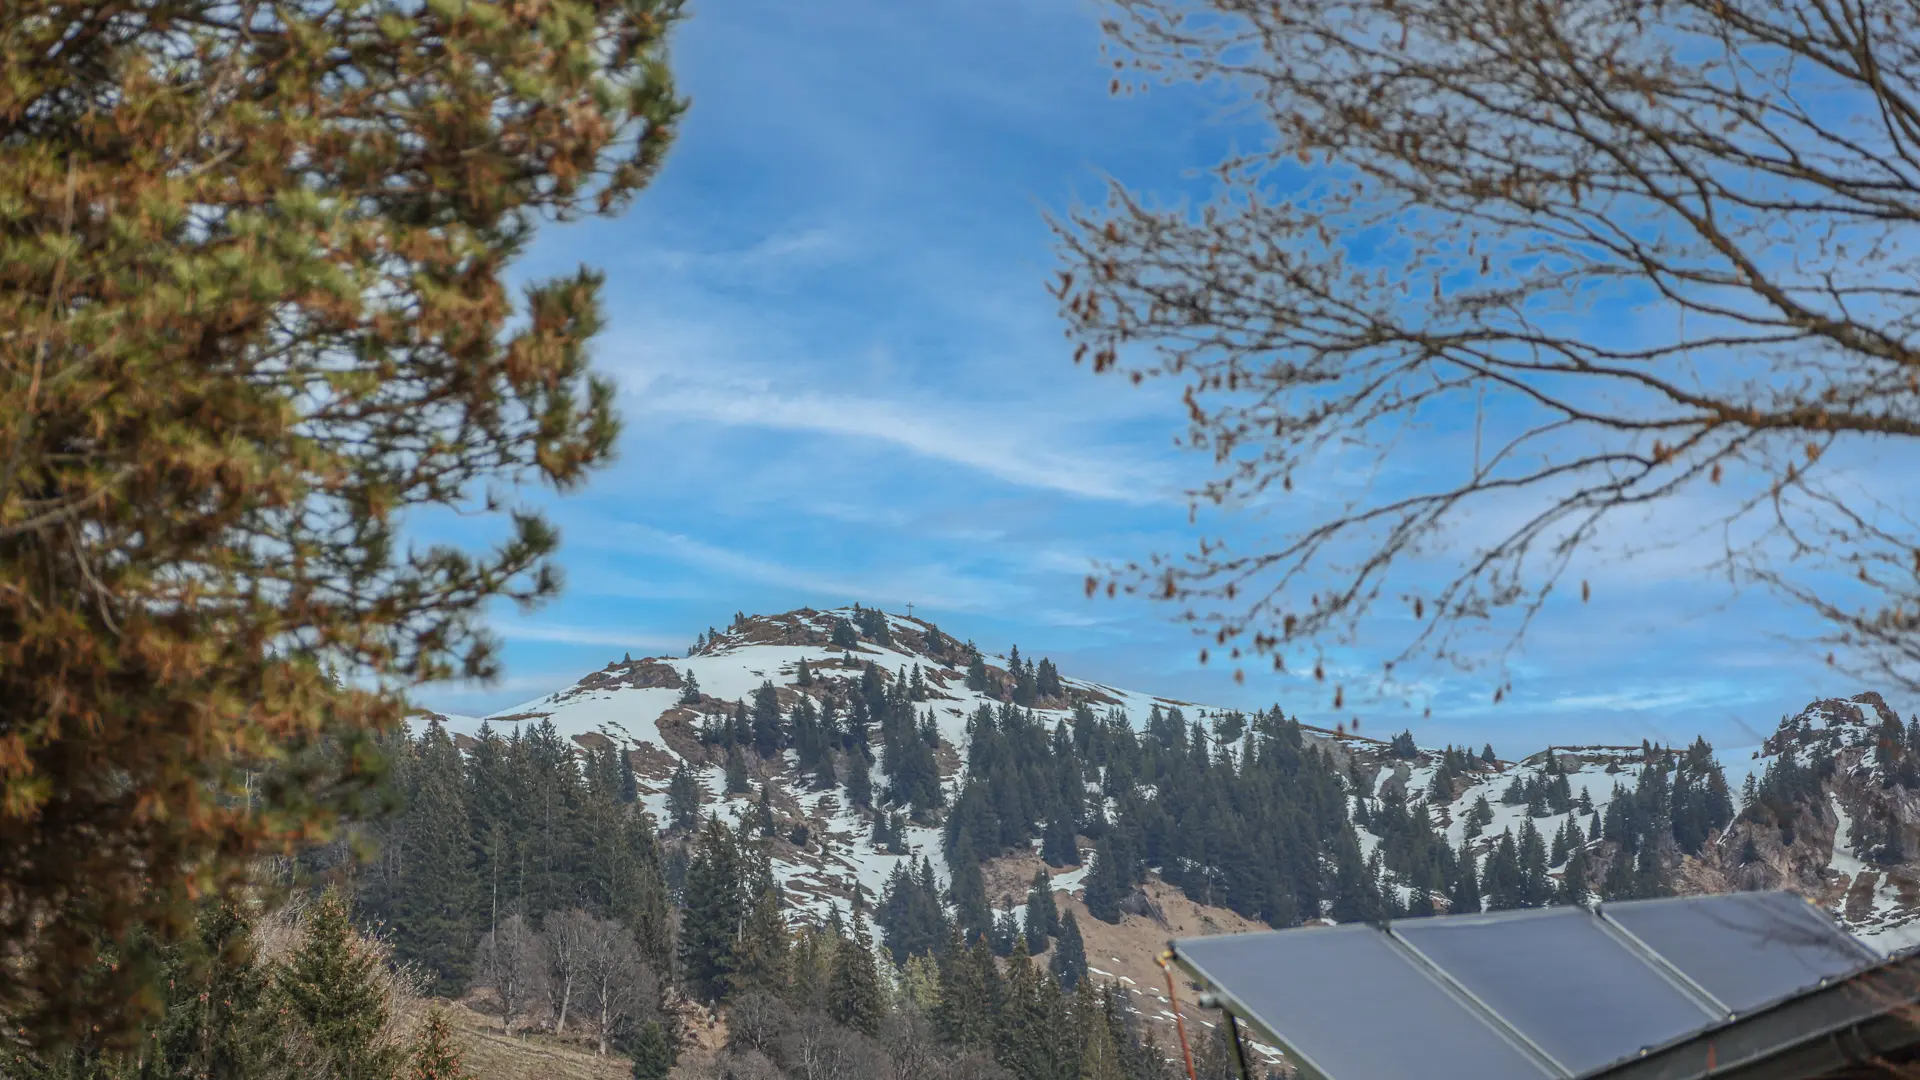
[{"x": 1650, "y": 252}]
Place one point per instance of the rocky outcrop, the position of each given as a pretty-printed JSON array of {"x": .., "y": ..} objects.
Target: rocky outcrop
[{"x": 1839, "y": 823}]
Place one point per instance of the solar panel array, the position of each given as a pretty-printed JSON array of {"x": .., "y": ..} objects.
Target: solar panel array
[{"x": 1555, "y": 992}]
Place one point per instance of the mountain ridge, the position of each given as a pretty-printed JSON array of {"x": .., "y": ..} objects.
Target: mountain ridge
[{"x": 648, "y": 706}]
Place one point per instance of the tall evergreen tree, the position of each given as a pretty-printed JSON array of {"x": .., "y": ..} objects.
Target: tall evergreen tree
[
  {"x": 738, "y": 782},
  {"x": 629, "y": 782},
  {"x": 859, "y": 780},
  {"x": 1618, "y": 884},
  {"x": 853, "y": 991},
  {"x": 226, "y": 396},
  {"x": 652, "y": 1052},
  {"x": 1573, "y": 881},
  {"x": 976, "y": 669},
  {"x": 220, "y": 1018},
  {"x": 1058, "y": 846},
  {"x": 438, "y": 893},
  {"x": 1069, "y": 960},
  {"x": 769, "y": 731},
  {"x": 760, "y": 954},
  {"x": 1103, "y": 885},
  {"x": 968, "y": 891},
  {"x": 1536, "y": 887},
  {"x": 1099, "y": 1054},
  {"x": 1047, "y": 681},
  {"x": 1042, "y": 916},
  {"x": 714, "y": 908},
  {"x": 969, "y": 1012},
  {"x": 683, "y": 799},
  {"x": 330, "y": 986}
]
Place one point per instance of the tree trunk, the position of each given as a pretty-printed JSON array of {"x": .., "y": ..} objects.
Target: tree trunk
[
  {"x": 566, "y": 995},
  {"x": 604, "y": 1021}
]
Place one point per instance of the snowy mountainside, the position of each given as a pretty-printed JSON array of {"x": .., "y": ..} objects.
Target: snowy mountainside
[
  {"x": 1834, "y": 814},
  {"x": 645, "y": 707},
  {"x": 638, "y": 704},
  {"x": 1834, "y": 763}
]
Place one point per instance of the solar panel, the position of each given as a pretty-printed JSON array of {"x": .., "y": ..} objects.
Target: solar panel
[
  {"x": 1354, "y": 1004},
  {"x": 1520, "y": 995},
  {"x": 1746, "y": 949},
  {"x": 1562, "y": 980}
]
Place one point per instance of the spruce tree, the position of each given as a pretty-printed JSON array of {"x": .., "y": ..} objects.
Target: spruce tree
[
  {"x": 1536, "y": 888},
  {"x": 219, "y": 1017},
  {"x": 763, "y": 817},
  {"x": 803, "y": 675},
  {"x": 1102, "y": 885},
  {"x": 1069, "y": 960},
  {"x": 1618, "y": 884},
  {"x": 637, "y": 893},
  {"x": 1573, "y": 881},
  {"x": 690, "y": 689},
  {"x": 438, "y": 892},
  {"x": 1036, "y": 1037},
  {"x": 769, "y": 732},
  {"x": 331, "y": 987},
  {"x": 435, "y": 1055},
  {"x": 1505, "y": 883},
  {"x": 853, "y": 991},
  {"x": 1047, "y": 681},
  {"x": 629, "y": 782},
  {"x": 652, "y": 1052},
  {"x": 738, "y": 782},
  {"x": 859, "y": 780},
  {"x": 1042, "y": 916},
  {"x": 1650, "y": 874},
  {"x": 1006, "y": 933},
  {"x": 683, "y": 799},
  {"x": 976, "y": 669},
  {"x": 1058, "y": 847},
  {"x": 760, "y": 955},
  {"x": 967, "y": 889},
  {"x": 968, "y": 1014},
  {"x": 713, "y": 909},
  {"x": 1099, "y": 1055}
]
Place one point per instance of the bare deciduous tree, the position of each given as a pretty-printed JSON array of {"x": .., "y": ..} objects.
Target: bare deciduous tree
[
  {"x": 512, "y": 962},
  {"x": 571, "y": 936},
  {"x": 757, "y": 1021},
  {"x": 816, "y": 1048},
  {"x": 1622, "y": 257},
  {"x": 616, "y": 984}
]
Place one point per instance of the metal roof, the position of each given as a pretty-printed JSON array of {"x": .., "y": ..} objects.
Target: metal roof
[{"x": 1561, "y": 993}]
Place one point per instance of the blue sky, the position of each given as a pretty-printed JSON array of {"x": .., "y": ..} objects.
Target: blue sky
[{"x": 843, "y": 380}]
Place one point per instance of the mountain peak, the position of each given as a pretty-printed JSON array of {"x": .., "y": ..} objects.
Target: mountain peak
[{"x": 1831, "y": 723}]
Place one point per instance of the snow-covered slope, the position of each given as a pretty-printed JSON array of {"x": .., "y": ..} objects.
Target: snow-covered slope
[
  {"x": 1857, "y": 764},
  {"x": 637, "y": 703}
]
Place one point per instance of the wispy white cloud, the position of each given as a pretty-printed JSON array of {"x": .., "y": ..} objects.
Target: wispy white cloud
[
  {"x": 486, "y": 697},
  {"x": 617, "y": 637},
  {"x": 1032, "y": 454},
  {"x": 783, "y": 251},
  {"x": 928, "y": 586}
]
